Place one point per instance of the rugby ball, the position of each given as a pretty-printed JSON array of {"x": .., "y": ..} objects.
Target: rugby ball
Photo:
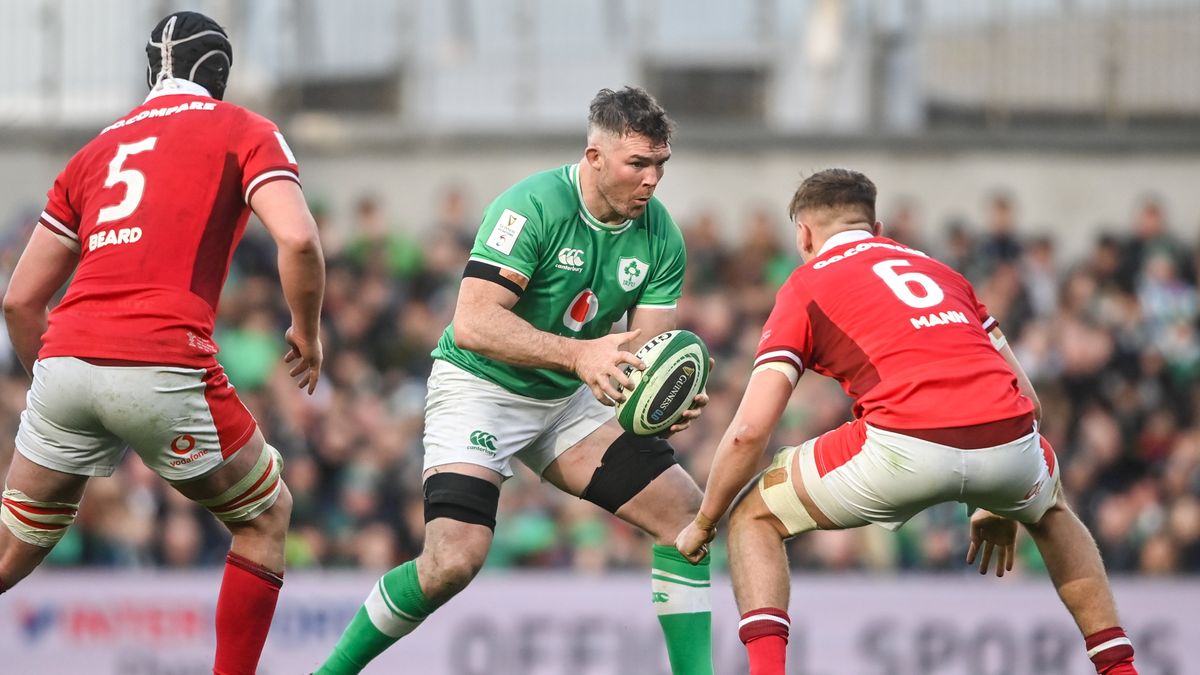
[{"x": 676, "y": 371}]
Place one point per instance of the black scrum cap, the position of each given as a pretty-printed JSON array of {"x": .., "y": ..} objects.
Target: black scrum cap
[{"x": 190, "y": 46}]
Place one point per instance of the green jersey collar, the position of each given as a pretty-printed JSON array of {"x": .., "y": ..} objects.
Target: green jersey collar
[{"x": 588, "y": 218}]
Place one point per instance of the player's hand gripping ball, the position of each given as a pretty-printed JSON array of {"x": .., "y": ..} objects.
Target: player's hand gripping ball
[{"x": 676, "y": 371}]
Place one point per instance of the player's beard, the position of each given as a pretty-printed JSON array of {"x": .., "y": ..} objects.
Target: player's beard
[
  {"x": 627, "y": 208},
  {"x": 635, "y": 209}
]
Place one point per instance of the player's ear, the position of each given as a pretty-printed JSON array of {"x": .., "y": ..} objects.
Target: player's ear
[
  {"x": 592, "y": 155},
  {"x": 877, "y": 228},
  {"x": 804, "y": 237}
]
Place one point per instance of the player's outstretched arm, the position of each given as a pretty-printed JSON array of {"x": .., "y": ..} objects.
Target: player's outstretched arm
[
  {"x": 281, "y": 207},
  {"x": 44, "y": 267},
  {"x": 738, "y": 455},
  {"x": 485, "y": 324}
]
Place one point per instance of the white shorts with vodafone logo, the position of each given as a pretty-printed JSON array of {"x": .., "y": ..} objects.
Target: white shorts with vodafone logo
[
  {"x": 859, "y": 474},
  {"x": 81, "y": 417}
]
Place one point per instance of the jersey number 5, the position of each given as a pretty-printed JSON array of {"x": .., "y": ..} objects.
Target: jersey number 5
[
  {"x": 134, "y": 180},
  {"x": 902, "y": 284}
]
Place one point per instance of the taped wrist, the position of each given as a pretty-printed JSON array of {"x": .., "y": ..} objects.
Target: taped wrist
[
  {"x": 252, "y": 495},
  {"x": 36, "y": 522}
]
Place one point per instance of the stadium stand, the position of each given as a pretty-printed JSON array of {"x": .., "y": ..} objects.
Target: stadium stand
[{"x": 1112, "y": 340}]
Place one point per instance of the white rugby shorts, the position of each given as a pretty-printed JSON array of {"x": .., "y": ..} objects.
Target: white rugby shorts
[
  {"x": 81, "y": 417},
  {"x": 472, "y": 420},
  {"x": 864, "y": 474}
]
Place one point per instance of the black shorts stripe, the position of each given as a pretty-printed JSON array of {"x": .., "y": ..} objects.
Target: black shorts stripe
[{"x": 480, "y": 270}]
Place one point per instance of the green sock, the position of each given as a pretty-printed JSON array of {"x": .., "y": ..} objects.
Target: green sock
[
  {"x": 395, "y": 607},
  {"x": 681, "y": 597}
]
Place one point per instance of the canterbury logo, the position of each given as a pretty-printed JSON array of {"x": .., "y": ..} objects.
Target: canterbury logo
[
  {"x": 484, "y": 440},
  {"x": 571, "y": 257}
]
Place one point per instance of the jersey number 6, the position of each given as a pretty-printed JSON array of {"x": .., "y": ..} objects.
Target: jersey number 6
[
  {"x": 902, "y": 284},
  {"x": 134, "y": 180}
]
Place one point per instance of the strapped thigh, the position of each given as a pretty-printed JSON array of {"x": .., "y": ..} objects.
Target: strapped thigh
[
  {"x": 460, "y": 497},
  {"x": 779, "y": 493},
  {"x": 627, "y": 467},
  {"x": 253, "y": 494},
  {"x": 36, "y": 522}
]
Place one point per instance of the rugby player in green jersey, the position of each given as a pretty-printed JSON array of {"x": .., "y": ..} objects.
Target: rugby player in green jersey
[{"x": 527, "y": 371}]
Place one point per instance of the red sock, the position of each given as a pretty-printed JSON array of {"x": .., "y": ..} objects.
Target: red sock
[
  {"x": 765, "y": 634},
  {"x": 1111, "y": 652},
  {"x": 245, "y": 606}
]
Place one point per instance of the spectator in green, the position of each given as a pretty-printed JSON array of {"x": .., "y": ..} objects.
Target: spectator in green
[{"x": 376, "y": 247}]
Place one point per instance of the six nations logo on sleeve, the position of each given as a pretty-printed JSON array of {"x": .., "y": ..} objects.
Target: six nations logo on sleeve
[{"x": 508, "y": 228}]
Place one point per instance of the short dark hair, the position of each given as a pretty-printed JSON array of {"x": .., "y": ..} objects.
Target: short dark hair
[
  {"x": 834, "y": 188},
  {"x": 631, "y": 110}
]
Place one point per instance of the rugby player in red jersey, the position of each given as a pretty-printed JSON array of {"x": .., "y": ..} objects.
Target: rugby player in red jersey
[
  {"x": 943, "y": 412},
  {"x": 146, "y": 217}
]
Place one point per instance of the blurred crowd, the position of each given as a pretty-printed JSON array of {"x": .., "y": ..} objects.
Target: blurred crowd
[{"x": 1112, "y": 341}]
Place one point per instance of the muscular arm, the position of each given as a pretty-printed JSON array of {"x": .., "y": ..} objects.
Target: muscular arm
[
  {"x": 651, "y": 321},
  {"x": 485, "y": 324},
  {"x": 741, "y": 448},
  {"x": 281, "y": 207},
  {"x": 1022, "y": 379},
  {"x": 44, "y": 267}
]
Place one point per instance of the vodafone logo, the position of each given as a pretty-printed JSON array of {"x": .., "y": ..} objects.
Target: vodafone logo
[
  {"x": 581, "y": 310},
  {"x": 183, "y": 444}
]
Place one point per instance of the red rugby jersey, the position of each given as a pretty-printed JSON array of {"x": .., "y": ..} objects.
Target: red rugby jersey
[
  {"x": 157, "y": 202},
  {"x": 903, "y": 333}
]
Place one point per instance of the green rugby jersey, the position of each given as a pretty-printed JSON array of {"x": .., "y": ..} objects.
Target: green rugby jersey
[{"x": 583, "y": 274}]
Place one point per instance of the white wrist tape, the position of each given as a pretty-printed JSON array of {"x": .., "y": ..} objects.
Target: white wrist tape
[{"x": 790, "y": 371}]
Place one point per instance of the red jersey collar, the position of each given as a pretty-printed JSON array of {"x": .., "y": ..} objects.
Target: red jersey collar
[{"x": 843, "y": 238}]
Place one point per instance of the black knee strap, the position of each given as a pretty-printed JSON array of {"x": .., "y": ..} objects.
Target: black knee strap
[
  {"x": 463, "y": 498},
  {"x": 627, "y": 467}
]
